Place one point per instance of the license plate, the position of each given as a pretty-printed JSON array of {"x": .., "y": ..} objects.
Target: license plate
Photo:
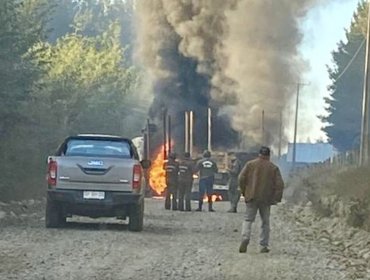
[
  {"x": 220, "y": 187},
  {"x": 218, "y": 176},
  {"x": 93, "y": 195}
]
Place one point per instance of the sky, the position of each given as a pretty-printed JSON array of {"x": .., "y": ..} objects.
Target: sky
[{"x": 323, "y": 29}]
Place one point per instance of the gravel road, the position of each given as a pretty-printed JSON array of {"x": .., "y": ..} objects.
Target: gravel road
[{"x": 173, "y": 245}]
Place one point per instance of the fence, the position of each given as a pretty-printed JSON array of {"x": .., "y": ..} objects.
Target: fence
[{"x": 350, "y": 158}]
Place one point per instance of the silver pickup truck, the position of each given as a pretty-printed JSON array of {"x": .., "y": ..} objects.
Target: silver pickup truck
[{"x": 96, "y": 176}]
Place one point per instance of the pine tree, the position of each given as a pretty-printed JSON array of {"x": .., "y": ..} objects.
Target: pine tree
[{"x": 345, "y": 103}]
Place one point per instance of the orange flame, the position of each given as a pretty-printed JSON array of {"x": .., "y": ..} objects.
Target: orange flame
[
  {"x": 157, "y": 175},
  {"x": 214, "y": 198}
]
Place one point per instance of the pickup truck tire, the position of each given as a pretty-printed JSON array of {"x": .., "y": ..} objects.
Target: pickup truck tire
[
  {"x": 53, "y": 216},
  {"x": 136, "y": 217}
]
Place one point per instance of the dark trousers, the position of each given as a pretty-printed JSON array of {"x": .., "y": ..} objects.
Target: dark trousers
[
  {"x": 171, "y": 190},
  {"x": 206, "y": 186},
  {"x": 185, "y": 193},
  {"x": 234, "y": 196}
]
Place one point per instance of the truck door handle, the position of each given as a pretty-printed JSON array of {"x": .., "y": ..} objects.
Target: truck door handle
[{"x": 64, "y": 178}]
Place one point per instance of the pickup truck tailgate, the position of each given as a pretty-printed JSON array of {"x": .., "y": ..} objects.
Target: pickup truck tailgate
[{"x": 84, "y": 173}]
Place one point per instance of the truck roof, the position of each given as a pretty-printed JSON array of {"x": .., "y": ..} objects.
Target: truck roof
[{"x": 98, "y": 137}]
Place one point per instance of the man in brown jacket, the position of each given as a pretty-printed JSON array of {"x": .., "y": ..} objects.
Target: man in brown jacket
[{"x": 261, "y": 184}]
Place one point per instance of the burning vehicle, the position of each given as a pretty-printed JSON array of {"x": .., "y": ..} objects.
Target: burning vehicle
[
  {"x": 167, "y": 144},
  {"x": 222, "y": 158},
  {"x": 220, "y": 186}
]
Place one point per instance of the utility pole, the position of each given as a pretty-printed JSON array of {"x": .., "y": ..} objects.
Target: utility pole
[
  {"x": 241, "y": 141},
  {"x": 296, "y": 123},
  {"x": 364, "y": 147},
  {"x": 147, "y": 146},
  {"x": 280, "y": 133},
  {"x": 263, "y": 129},
  {"x": 186, "y": 132},
  {"x": 169, "y": 134},
  {"x": 191, "y": 127},
  {"x": 209, "y": 129},
  {"x": 147, "y": 137},
  {"x": 165, "y": 134}
]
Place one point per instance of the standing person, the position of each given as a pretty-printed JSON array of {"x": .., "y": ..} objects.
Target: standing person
[
  {"x": 186, "y": 172},
  {"x": 234, "y": 193},
  {"x": 172, "y": 172},
  {"x": 261, "y": 184},
  {"x": 207, "y": 169}
]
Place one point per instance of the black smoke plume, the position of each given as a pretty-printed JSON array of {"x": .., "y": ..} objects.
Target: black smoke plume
[
  {"x": 181, "y": 81},
  {"x": 240, "y": 57}
]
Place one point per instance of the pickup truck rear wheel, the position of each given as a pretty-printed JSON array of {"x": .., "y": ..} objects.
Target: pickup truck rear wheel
[
  {"x": 53, "y": 217},
  {"x": 136, "y": 217}
]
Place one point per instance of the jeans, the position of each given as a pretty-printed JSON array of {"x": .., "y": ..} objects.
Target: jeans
[
  {"x": 205, "y": 186},
  {"x": 251, "y": 211}
]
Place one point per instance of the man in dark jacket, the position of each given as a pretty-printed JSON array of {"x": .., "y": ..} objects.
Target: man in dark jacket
[
  {"x": 207, "y": 169},
  {"x": 186, "y": 172},
  {"x": 234, "y": 194},
  {"x": 261, "y": 184},
  {"x": 172, "y": 170}
]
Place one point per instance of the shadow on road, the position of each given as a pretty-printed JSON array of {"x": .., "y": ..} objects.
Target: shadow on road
[
  {"x": 119, "y": 226},
  {"x": 95, "y": 226}
]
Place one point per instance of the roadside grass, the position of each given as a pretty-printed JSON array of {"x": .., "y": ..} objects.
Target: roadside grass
[{"x": 335, "y": 191}]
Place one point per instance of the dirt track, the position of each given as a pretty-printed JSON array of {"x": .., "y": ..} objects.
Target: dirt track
[{"x": 174, "y": 245}]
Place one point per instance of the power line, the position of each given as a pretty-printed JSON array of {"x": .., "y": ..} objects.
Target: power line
[{"x": 352, "y": 59}]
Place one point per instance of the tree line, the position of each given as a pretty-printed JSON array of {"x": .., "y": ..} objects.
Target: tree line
[{"x": 65, "y": 68}]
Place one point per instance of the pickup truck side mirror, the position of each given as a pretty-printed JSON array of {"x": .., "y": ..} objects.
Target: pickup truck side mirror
[{"x": 145, "y": 163}]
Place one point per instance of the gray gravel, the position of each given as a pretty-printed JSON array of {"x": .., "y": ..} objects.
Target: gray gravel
[{"x": 173, "y": 245}]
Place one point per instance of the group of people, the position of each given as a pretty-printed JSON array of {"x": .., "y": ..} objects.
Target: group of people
[
  {"x": 179, "y": 180},
  {"x": 259, "y": 181}
]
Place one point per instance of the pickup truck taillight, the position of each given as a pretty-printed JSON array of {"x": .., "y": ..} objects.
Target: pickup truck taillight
[
  {"x": 136, "y": 178},
  {"x": 52, "y": 173}
]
